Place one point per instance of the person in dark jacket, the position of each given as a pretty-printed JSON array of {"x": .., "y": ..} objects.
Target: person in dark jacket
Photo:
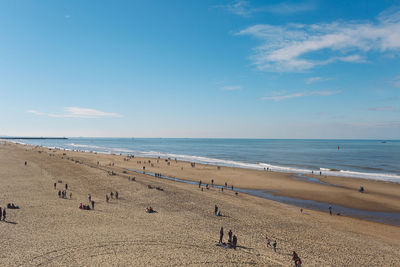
[
  {"x": 234, "y": 242},
  {"x": 221, "y": 234}
]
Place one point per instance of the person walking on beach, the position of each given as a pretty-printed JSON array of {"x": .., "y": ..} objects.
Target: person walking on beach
[
  {"x": 4, "y": 214},
  {"x": 221, "y": 234},
  {"x": 215, "y": 209},
  {"x": 66, "y": 186},
  {"x": 55, "y": 185},
  {"x": 268, "y": 241},
  {"x": 107, "y": 198},
  {"x": 112, "y": 195},
  {"x": 92, "y": 204},
  {"x": 89, "y": 198},
  {"x": 274, "y": 245},
  {"x": 26, "y": 163},
  {"x": 296, "y": 259},
  {"x": 234, "y": 242},
  {"x": 59, "y": 193},
  {"x": 116, "y": 194}
]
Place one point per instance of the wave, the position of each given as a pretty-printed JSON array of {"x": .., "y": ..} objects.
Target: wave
[
  {"x": 85, "y": 146},
  {"x": 238, "y": 164},
  {"x": 261, "y": 166}
]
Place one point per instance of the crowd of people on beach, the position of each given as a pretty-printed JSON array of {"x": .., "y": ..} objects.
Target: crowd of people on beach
[{"x": 232, "y": 239}]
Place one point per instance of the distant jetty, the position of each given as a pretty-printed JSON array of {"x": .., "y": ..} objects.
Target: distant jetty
[{"x": 40, "y": 138}]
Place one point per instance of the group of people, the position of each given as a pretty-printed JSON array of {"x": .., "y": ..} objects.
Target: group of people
[
  {"x": 232, "y": 240},
  {"x": 84, "y": 207},
  {"x": 63, "y": 193},
  {"x": 12, "y": 206},
  {"x": 112, "y": 196},
  {"x": 269, "y": 243}
]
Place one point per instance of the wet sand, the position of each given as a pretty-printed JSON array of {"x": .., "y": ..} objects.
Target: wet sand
[{"x": 50, "y": 231}]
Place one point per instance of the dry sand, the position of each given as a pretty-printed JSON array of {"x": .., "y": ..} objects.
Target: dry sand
[{"x": 49, "y": 231}]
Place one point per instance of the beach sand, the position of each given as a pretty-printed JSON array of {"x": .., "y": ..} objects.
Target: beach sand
[{"x": 49, "y": 231}]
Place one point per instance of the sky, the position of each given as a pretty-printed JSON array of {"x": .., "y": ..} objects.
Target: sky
[{"x": 207, "y": 69}]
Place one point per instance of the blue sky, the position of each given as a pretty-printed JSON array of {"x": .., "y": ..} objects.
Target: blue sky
[{"x": 235, "y": 69}]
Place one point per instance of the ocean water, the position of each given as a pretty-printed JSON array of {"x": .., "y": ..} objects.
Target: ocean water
[{"x": 369, "y": 159}]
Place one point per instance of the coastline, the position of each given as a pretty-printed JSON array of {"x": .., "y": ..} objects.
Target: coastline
[
  {"x": 379, "y": 196},
  {"x": 210, "y": 156},
  {"x": 51, "y": 231}
]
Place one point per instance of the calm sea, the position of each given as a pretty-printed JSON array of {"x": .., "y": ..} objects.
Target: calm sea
[{"x": 370, "y": 159}]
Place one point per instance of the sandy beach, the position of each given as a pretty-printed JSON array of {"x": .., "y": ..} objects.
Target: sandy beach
[{"x": 51, "y": 231}]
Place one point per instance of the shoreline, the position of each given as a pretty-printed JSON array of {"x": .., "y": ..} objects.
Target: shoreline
[
  {"x": 380, "y": 196},
  {"x": 350, "y": 174}
]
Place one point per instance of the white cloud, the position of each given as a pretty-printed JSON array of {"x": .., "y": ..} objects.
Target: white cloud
[
  {"x": 382, "y": 109},
  {"x": 240, "y": 7},
  {"x": 35, "y": 112},
  {"x": 76, "y": 112},
  {"x": 288, "y": 47},
  {"x": 289, "y": 8},
  {"x": 67, "y": 16},
  {"x": 316, "y": 79},
  {"x": 245, "y": 9},
  {"x": 231, "y": 88},
  {"x": 280, "y": 97}
]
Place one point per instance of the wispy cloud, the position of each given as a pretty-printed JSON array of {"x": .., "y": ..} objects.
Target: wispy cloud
[
  {"x": 316, "y": 79},
  {"x": 279, "y": 97},
  {"x": 35, "y": 112},
  {"x": 288, "y": 47},
  {"x": 396, "y": 81},
  {"x": 231, "y": 88},
  {"x": 245, "y": 9},
  {"x": 382, "y": 109},
  {"x": 76, "y": 112},
  {"x": 67, "y": 16},
  {"x": 240, "y": 7},
  {"x": 289, "y": 8}
]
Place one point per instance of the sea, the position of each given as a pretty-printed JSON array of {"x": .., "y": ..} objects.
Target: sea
[{"x": 368, "y": 159}]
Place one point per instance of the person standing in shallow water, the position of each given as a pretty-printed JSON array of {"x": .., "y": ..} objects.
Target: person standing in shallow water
[{"x": 221, "y": 234}]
